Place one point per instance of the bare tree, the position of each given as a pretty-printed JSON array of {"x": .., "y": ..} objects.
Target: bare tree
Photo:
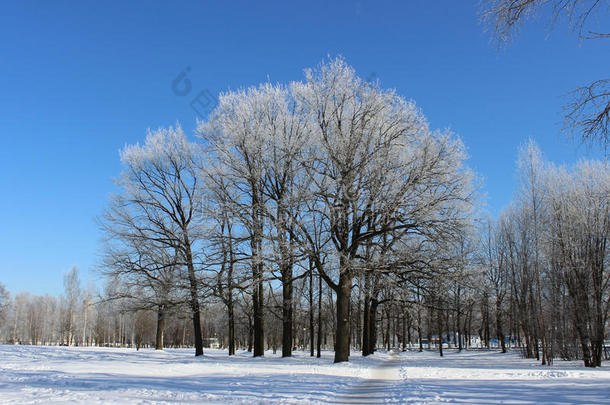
[
  {"x": 70, "y": 300},
  {"x": 285, "y": 189},
  {"x": 157, "y": 209},
  {"x": 531, "y": 169},
  {"x": 147, "y": 274},
  {"x": 497, "y": 275},
  {"x": 225, "y": 249},
  {"x": 5, "y": 300},
  {"x": 236, "y": 134},
  {"x": 580, "y": 228},
  {"x": 589, "y": 111},
  {"x": 548, "y": 253}
]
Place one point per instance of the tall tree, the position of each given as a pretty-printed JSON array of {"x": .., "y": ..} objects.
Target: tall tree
[
  {"x": 580, "y": 228},
  {"x": 5, "y": 300},
  {"x": 284, "y": 188},
  {"x": 497, "y": 276},
  {"x": 531, "y": 170},
  {"x": 236, "y": 135},
  {"x": 72, "y": 291},
  {"x": 376, "y": 168},
  {"x": 159, "y": 203},
  {"x": 224, "y": 247}
]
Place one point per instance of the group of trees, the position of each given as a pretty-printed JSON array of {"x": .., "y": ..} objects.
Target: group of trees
[
  {"x": 81, "y": 316},
  {"x": 327, "y": 214},
  {"x": 332, "y": 178},
  {"x": 547, "y": 260},
  {"x": 335, "y": 193},
  {"x": 32, "y": 319},
  {"x": 548, "y": 251}
]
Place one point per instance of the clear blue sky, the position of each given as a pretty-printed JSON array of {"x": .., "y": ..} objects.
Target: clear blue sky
[{"x": 79, "y": 80}]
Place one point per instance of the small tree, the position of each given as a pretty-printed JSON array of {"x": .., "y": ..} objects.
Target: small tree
[{"x": 5, "y": 302}]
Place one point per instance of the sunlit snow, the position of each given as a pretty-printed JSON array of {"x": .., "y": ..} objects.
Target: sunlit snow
[{"x": 53, "y": 375}]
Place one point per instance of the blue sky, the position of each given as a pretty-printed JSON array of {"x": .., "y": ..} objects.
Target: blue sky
[{"x": 79, "y": 80}]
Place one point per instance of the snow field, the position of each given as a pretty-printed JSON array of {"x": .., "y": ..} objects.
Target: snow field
[{"x": 62, "y": 375}]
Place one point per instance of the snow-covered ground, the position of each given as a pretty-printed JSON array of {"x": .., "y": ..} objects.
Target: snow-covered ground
[{"x": 53, "y": 375}]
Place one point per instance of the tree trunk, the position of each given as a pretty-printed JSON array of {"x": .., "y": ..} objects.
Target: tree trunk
[
  {"x": 231, "y": 313},
  {"x": 366, "y": 326},
  {"x": 409, "y": 327},
  {"x": 287, "y": 312},
  {"x": 499, "y": 330},
  {"x": 259, "y": 334},
  {"x": 419, "y": 329},
  {"x": 160, "y": 327},
  {"x": 342, "y": 333},
  {"x": 311, "y": 316},
  {"x": 486, "y": 328},
  {"x": 469, "y": 330},
  {"x": 581, "y": 322},
  {"x": 257, "y": 272},
  {"x": 373, "y": 325},
  {"x": 597, "y": 344},
  {"x": 458, "y": 315},
  {"x": 439, "y": 324},
  {"x": 258, "y": 325},
  {"x": 319, "y": 351},
  {"x": 194, "y": 300},
  {"x": 250, "y": 334},
  {"x": 230, "y": 302},
  {"x": 600, "y": 311},
  {"x": 388, "y": 326},
  {"x": 404, "y": 332}
]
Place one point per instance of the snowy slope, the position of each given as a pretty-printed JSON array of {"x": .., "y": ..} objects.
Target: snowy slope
[{"x": 57, "y": 375}]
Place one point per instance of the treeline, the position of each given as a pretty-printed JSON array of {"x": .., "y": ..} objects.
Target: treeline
[
  {"x": 81, "y": 317},
  {"x": 47, "y": 320},
  {"x": 547, "y": 257}
]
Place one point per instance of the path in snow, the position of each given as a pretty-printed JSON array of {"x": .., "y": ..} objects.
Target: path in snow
[{"x": 374, "y": 390}]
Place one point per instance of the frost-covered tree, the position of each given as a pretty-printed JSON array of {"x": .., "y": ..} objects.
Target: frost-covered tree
[
  {"x": 497, "y": 273},
  {"x": 580, "y": 234},
  {"x": 236, "y": 134},
  {"x": 549, "y": 252},
  {"x": 225, "y": 247},
  {"x": 285, "y": 189},
  {"x": 70, "y": 306},
  {"x": 336, "y": 159},
  {"x": 530, "y": 195},
  {"x": 257, "y": 137},
  {"x": 157, "y": 210},
  {"x": 5, "y": 300},
  {"x": 377, "y": 170}
]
